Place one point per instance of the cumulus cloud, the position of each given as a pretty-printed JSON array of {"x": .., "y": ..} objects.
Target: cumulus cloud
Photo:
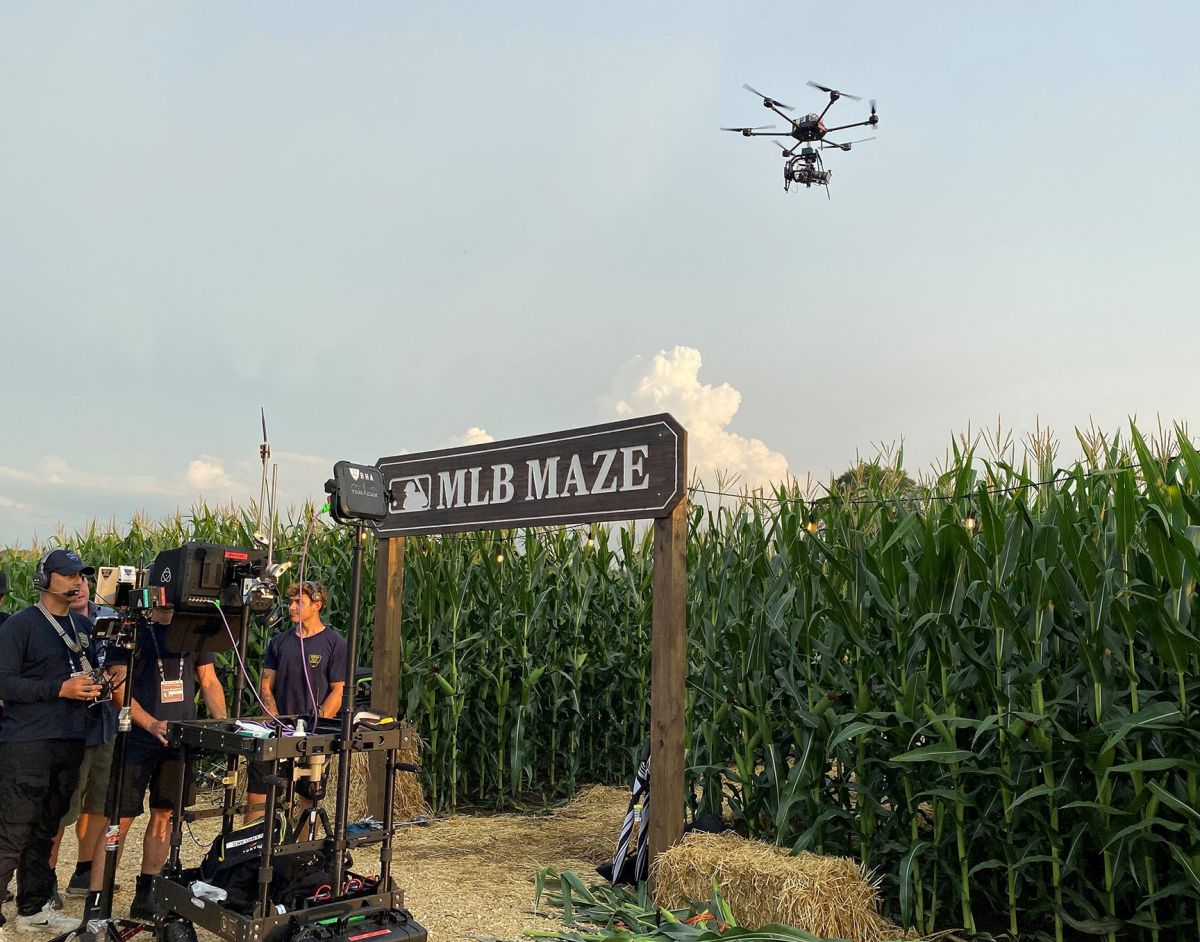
[
  {"x": 670, "y": 382},
  {"x": 475, "y": 436},
  {"x": 207, "y": 472}
]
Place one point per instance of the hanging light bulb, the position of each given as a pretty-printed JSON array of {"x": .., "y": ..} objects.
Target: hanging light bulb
[
  {"x": 971, "y": 522},
  {"x": 591, "y": 540},
  {"x": 499, "y": 556},
  {"x": 812, "y": 525}
]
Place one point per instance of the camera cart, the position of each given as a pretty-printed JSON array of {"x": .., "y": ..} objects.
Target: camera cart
[
  {"x": 345, "y": 908},
  {"x": 364, "y": 909}
]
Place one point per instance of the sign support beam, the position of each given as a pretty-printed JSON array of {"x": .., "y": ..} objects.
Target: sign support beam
[
  {"x": 387, "y": 646},
  {"x": 668, "y": 680}
]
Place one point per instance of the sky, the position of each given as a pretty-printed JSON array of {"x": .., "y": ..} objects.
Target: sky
[{"x": 401, "y": 226}]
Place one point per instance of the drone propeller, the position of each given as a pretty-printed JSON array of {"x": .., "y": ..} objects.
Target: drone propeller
[
  {"x": 874, "y": 119},
  {"x": 847, "y": 144},
  {"x": 834, "y": 91},
  {"x": 746, "y": 131},
  {"x": 767, "y": 100}
]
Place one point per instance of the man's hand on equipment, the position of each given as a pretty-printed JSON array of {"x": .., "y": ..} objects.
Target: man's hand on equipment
[
  {"x": 157, "y": 729},
  {"x": 79, "y": 687}
]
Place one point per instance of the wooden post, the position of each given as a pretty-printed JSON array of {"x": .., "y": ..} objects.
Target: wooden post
[
  {"x": 668, "y": 679},
  {"x": 387, "y": 649}
]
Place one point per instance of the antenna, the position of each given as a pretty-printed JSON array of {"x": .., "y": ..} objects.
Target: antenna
[
  {"x": 274, "y": 514},
  {"x": 264, "y": 454}
]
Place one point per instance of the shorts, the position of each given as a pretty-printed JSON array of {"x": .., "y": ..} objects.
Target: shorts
[
  {"x": 160, "y": 774},
  {"x": 304, "y": 787},
  {"x": 92, "y": 794}
]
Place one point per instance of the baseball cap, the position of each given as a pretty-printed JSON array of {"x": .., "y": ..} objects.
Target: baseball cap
[{"x": 66, "y": 563}]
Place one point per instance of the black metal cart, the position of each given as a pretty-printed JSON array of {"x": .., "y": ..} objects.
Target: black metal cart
[{"x": 376, "y": 912}]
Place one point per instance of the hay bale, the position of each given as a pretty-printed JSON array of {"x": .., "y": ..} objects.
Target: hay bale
[
  {"x": 587, "y": 827},
  {"x": 826, "y": 896},
  {"x": 408, "y": 796}
]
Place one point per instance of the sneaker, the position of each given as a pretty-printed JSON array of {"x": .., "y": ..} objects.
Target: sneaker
[
  {"x": 80, "y": 884},
  {"x": 56, "y": 901},
  {"x": 46, "y": 921}
]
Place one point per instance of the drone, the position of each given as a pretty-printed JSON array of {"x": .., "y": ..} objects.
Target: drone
[{"x": 804, "y": 164}]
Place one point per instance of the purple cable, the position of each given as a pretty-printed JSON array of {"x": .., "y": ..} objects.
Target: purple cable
[
  {"x": 242, "y": 665},
  {"x": 316, "y": 714}
]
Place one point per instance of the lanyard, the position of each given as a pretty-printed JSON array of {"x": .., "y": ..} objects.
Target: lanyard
[
  {"x": 72, "y": 643},
  {"x": 158, "y": 657}
]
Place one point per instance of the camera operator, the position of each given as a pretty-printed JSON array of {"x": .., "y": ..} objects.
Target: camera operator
[
  {"x": 303, "y": 673},
  {"x": 87, "y": 803},
  {"x": 46, "y": 660},
  {"x": 163, "y": 689}
]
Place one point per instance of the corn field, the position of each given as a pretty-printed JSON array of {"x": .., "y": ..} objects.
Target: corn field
[{"x": 985, "y": 686}]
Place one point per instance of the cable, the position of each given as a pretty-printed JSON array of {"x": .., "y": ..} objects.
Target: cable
[
  {"x": 316, "y": 713},
  {"x": 242, "y": 665},
  {"x": 878, "y": 501}
]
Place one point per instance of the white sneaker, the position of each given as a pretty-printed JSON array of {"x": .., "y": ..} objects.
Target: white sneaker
[{"x": 48, "y": 920}]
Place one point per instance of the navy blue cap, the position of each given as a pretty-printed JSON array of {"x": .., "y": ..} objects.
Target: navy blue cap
[{"x": 66, "y": 563}]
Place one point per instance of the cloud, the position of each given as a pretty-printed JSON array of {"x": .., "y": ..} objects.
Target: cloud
[
  {"x": 670, "y": 382},
  {"x": 207, "y": 472},
  {"x": 475, "y": 436},
  {"x": 9, "y": 502},
  {"x": 55, "y": 472}
]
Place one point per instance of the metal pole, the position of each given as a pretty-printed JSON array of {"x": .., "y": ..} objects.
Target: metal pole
[
  {"x": 343, "y": 783},
  {"x": 112, "y": 837}
]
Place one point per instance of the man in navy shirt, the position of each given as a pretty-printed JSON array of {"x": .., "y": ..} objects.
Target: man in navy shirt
[
  {"x": 303, "y": 674},
  {"x": 162, "y": 689},
  {"x": 46, "y": 656}
]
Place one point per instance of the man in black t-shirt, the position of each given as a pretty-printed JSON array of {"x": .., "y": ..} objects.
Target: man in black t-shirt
[
  {"x": 46, "y": 656},
  {"x": 304, "y": 673},
  {"x": 162, "y": 689}
]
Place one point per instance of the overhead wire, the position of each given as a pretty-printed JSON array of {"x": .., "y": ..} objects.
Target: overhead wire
[{"x": 750, "y": 497}]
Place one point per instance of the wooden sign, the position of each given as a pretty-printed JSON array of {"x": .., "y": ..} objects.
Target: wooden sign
[{"x": 618, "y": 471}]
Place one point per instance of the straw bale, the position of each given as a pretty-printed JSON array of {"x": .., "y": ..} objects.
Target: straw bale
[
  {"x": 826, "y": 896},
  {"x": 408, "y": 797},
  {"x": 587, "y": 827}
]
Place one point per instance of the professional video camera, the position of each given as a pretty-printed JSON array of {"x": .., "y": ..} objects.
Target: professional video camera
[
  {"x": 209, "y": 586},
  {"x": 121, "y": 593}
]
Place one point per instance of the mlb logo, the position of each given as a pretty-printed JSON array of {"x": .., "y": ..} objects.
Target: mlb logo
[{"x": 411, "y": 494}]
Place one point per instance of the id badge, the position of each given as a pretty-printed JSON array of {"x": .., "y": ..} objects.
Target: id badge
[{"x": 170, "y": 691}]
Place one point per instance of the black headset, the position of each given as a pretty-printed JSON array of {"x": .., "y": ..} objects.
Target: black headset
[{"x": 41, "y": 579}]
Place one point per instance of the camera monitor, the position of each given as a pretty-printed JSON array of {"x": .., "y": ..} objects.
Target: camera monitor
[{"x": 194, "y": 576}]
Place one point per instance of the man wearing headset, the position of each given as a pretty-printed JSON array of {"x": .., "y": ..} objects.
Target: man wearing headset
[
  {"x": 303, "y": 674},
  {"x": 46, "y": 660}
]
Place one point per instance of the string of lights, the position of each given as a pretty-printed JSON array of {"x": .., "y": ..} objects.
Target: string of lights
[{"x": 924, "y": 496}]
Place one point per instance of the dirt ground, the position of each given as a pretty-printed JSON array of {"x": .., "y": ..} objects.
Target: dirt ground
[{"x": 464, "y": 877}]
